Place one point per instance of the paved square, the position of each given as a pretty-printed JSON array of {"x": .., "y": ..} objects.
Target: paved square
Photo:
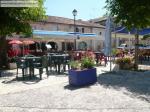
[{"x": 121, "y": 91}]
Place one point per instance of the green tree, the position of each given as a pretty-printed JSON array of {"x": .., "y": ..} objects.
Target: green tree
[
  {"x": 132, "y": 14},
  {"x": 17, "y": 20}
]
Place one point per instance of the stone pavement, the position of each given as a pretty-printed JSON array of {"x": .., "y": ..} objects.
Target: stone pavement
[
  {"x": 120, "y": 91},
  {"x": 10, "y": 84}
]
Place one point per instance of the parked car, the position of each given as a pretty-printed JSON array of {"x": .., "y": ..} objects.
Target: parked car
[
  {"x": 125, "y": 47},
  {"x": 142, "y": 46},
  {"x": 147, "y": 47}
]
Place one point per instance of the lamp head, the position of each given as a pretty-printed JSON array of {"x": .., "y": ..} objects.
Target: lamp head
[{"x": 74, "y": 12}]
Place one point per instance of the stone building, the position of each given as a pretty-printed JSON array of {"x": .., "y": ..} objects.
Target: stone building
[{"x": 63, "y": 34}]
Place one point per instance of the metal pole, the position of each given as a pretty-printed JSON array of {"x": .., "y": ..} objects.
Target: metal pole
[
  {"x": 115, "y": 37},
  {"x": 129, "y": 42},
  {"x": 74, "y": 23},
  {"x": 110, "y": 53},
  {"x": 65, "y": 45},
  {"x": 74, "y": 33}
]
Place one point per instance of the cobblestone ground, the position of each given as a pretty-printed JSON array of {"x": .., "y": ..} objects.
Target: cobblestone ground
[{"x": 120, "y": 91}]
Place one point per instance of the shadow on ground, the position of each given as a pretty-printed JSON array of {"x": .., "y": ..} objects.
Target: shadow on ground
[
  {"x": 70, "y": 87},
  {"x": 137, "y": 83},
  {"x": 25, "y": 80},
  {"x": 54, "y": 73},
  {"x": 5, "y": 73},
  {"x": 10, "y": 77}
]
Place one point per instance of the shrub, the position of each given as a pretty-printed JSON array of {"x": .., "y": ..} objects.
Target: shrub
[
  {"x": 114, "y": 52},
  {"x": 87, "y": 62}
]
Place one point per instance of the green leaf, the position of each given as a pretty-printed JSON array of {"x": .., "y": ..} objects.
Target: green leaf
[{"x": 17, "y": 20}]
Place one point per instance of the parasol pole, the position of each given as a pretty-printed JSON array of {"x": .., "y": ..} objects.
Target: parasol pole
[
  {"x": 110, "y": 53},
  {"x": 22, "y": 48}
]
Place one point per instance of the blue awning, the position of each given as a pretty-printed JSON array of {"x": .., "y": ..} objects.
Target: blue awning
[
  {"x": 44, "y": 32},
  {"x": 123, "y": 30},
  {"x": 61, "y": 33}
]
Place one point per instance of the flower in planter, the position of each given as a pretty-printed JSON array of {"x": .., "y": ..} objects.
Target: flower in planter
[
  {"x": 84, "y": 63},
  {"x": 75, "y": 65},
  {"x": 12, "y": 60},
  {"x": 125, "y": 63},
  {"x": 123, "y": 60},
  {"x": 90, "y": 54}
]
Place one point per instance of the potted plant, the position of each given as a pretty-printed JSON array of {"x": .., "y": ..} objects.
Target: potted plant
[
  {"x": 12, "y": 63},
  {"x": 82, "y": 72},
  {"x": 125, "y": 63}
]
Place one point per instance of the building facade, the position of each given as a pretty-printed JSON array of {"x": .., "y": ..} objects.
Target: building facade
[
  {"x": 57, "y": 27},
  {"x": 120, "y": 35}
]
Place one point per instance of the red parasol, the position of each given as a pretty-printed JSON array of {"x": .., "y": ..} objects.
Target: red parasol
[
  {"x": 28, "y": 42},
  {"x": 15, "y": 42}
]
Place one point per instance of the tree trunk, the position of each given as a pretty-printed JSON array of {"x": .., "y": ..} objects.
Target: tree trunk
[
  {"x": 136, "y": 50},
  {"x": 3, "y": 52}
]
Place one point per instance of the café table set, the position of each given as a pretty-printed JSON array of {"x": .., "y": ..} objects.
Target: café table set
[{"x": 29, "y": 63}]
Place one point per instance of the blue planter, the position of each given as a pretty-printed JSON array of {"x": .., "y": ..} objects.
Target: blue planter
[{"x": 82, "y": 77}]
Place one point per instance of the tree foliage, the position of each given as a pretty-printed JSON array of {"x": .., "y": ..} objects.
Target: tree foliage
[
  {"x": 17, "y": 19},
  {"x": 130, "y": 13}
]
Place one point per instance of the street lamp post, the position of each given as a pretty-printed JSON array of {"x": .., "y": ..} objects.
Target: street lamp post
[{"x": 74, "y": 12}]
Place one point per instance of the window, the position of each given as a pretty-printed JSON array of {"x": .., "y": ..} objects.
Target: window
[
  {"x": 82, "y": 45},
  {"x": 57, "y": 27},
  {"x": 82, "y": 30},
  {"x": 77, "y": 29},
  {"x": 54, "y": 45}
]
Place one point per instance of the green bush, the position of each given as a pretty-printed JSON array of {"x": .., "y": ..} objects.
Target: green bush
[
  {"x": 87, "y": 62},
  {"x": 114, "y": 51}
]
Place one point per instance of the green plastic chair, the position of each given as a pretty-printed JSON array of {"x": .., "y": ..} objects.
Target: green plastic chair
[
  {"x": 41, "y": 64},
  {"x": 21, "y": 64}
]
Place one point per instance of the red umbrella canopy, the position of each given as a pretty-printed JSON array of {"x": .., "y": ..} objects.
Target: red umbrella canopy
[
  {"x": 15, "y": 42},
  {"x": 28, "y": 42}
]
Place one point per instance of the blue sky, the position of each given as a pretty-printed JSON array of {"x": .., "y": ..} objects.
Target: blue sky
[{"x": 87, "y": 9}]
